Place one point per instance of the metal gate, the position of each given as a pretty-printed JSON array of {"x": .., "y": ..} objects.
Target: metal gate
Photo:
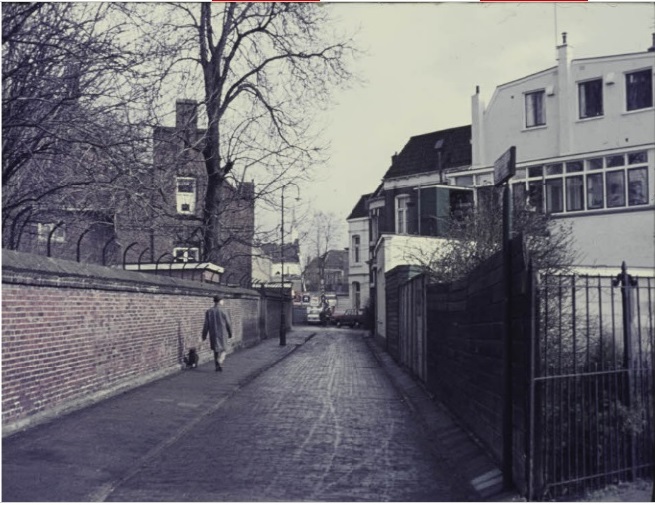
[{"x": 591, "y": 384}]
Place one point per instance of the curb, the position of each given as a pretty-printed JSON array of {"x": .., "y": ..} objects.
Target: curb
[{"x": 473, "y": 468}]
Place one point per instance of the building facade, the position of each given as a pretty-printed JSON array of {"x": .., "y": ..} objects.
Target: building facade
[
  {"x": 173, "y": 230},
  {"x": 408, "y": 216},
  {"x": 359, "y": 255},
  {"x": 584, "y": 132},
  {"x": 159, "y": 221}
]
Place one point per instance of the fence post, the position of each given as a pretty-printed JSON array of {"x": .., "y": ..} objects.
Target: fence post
[
  {"x": 535, "y": 460},
  {"x": 627, "y": 282}
]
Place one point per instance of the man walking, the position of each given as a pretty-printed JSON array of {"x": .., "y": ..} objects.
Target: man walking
[{"x": 217, "y": 324}]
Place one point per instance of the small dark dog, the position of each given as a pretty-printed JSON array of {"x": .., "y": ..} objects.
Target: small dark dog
[{"x": 191, "y": 359}]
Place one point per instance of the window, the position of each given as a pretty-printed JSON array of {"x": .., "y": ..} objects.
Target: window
[
  {"x": 595, "y": 164},
  {"x": 535, "y": 113},
  {"x": 374, "y": 232},
  {"x": 595, "y": 191},
  {"x": 464, "y": 180},
  {"x": 555, "y": 169},
  {"x": 574, "y": 193},
  {"x": 186, "y": 254},
  {"x": 638, "y": 157},
  {"x": 617, "y": 160},
  {"x": 609, "y": 182},
  {"x": 639, "y": 89},
  {"x": 44, "y": 230},
  {"x": 186, "y": 195},
  {"x": 355, "y": 248},
  {"x": 590, "y": 98},
  {"x": 519, "y": 195},
  {"x": 554, "y": 195},
  {"x": 574, "y": 166},
  {"x": 535, "y": 196},
  {"x": 535, "y": 171},
  {"x": 356, "y": 296},
  {"x": 401, "y": 214},
  {"x": 638, "y": 186},
  {"x": 615, "y": 186}
]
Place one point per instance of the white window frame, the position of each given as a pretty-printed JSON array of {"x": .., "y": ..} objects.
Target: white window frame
[
  {"x": 605, "y": 183},
  {"x": 583, "y": 99},
  {"x": 187, "y": 198},
  {"x": 356, "y": 244},
  {"x": 649, "y": 71},
  {"x": 44, "y": 230},
  {"x": 401, "y": 214},
  {"x": 184, "y": 256},
  {"x": 529, "y": 109}
]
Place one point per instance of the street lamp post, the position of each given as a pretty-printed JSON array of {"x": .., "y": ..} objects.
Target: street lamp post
[{"x": 283, "y": 325}]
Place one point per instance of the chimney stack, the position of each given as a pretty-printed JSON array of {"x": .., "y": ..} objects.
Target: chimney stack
[{"x": 186, "y": 115}]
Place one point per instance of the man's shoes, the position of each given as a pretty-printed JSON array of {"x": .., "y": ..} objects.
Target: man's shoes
[{"x": 219, "y": 368}]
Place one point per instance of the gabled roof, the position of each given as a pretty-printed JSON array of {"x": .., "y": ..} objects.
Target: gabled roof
[
  {"x": 360, "y": 209},
  {"x": 432, "y": 152}
]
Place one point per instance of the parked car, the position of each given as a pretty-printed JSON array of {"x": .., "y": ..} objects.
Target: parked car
[{"x": 350, "y": 317}]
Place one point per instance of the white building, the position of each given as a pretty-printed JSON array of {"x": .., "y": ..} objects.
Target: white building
[
  {"x": 358, "y": 254},
  {"x": 584, "y": 132}
]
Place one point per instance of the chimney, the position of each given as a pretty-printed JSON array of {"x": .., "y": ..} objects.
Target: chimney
[
  {"x": 564, "y": 95},
  {"x": 477, "y": 129},
  {"x": 651, "y": 49},
  {"x": 186, "y": 115}
]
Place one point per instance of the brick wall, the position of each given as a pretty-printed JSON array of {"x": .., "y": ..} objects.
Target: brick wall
[{"x": 74, "y": 333}]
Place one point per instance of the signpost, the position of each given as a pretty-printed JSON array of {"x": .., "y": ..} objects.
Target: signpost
[
  {"x": 505, "y": 166},
  {"x": 504, "y": 169}
]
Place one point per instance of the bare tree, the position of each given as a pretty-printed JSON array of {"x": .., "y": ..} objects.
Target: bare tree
[
  {"x": 321, "y": 234},
  {"x": 476, "y": 235},
  {"x": 264, "y": 67},
  {"x": 74, "y": 106}
]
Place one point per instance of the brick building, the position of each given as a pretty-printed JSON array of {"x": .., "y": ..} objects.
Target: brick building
[
  {"x": 159, "y": 223},
  {"x": 179, "y": 181}
]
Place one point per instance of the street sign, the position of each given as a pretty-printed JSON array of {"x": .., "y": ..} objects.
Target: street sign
[{"x": 505, "y": 166}]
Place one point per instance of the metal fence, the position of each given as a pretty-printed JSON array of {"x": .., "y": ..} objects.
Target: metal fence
[{"x": 591, "y": 384}]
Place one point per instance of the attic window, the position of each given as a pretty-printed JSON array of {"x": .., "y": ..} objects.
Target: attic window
[{"x": 438, "y": 144}]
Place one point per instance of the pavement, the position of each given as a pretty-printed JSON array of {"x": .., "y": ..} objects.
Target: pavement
[{"x": 328, "y": 417}]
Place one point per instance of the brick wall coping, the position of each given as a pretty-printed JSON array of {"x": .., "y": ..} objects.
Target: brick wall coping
[{"x": 32, "y": 269}]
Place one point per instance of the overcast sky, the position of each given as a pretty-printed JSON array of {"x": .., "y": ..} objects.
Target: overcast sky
[{"x": 424, "y": 61}]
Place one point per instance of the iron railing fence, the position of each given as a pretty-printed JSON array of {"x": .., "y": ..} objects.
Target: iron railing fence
[{"x": 592, "y": 384}]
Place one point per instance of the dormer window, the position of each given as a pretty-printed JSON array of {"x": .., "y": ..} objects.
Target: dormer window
[
  {"x": 535, "y": 109},
  {"x": 186, "y": 195},
  {"x": 590, "y": 98}
]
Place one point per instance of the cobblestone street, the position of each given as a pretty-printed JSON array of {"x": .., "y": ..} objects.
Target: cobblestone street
[
  {"x": 325, "y": 424},
  {"x": 328, "y": 417}
]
